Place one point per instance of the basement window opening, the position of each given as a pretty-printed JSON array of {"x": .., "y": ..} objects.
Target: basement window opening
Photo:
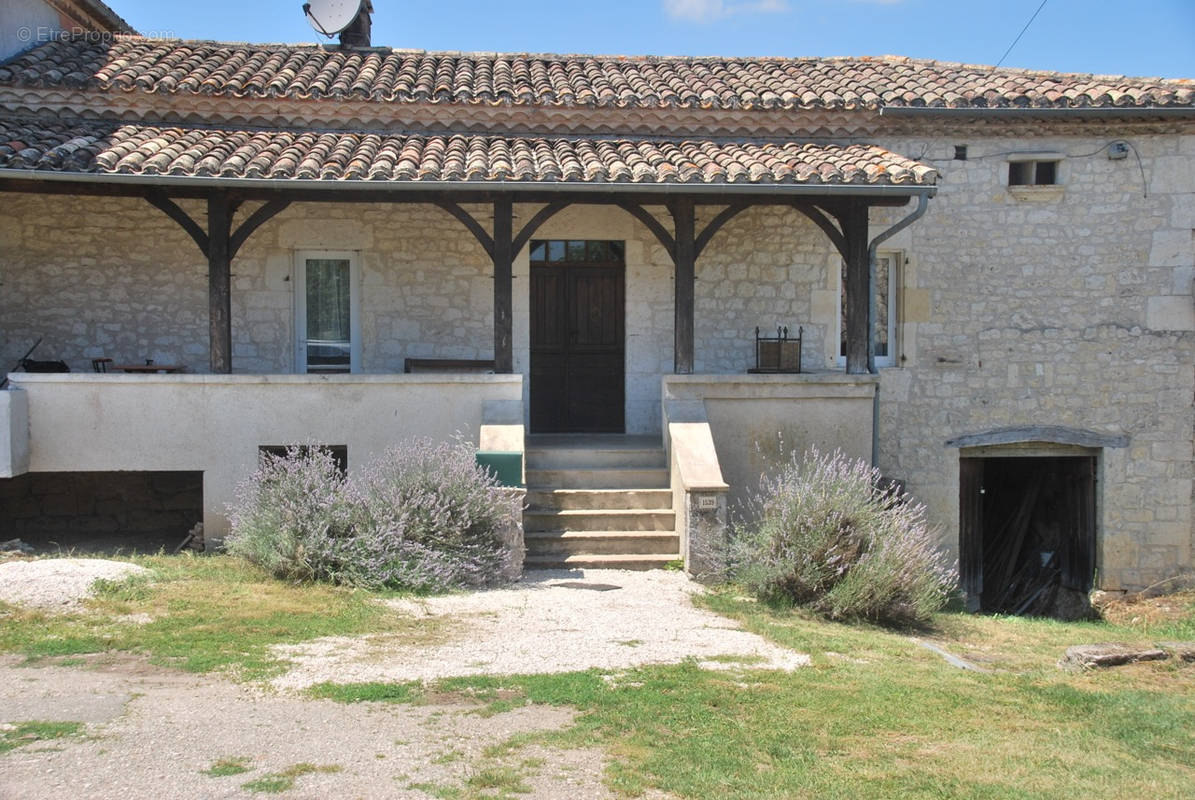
[
  {"x": 101, "y": 512},
  {"x": 339, "y": 452}
]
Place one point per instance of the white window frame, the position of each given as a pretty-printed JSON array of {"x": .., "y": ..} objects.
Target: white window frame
[
  {"x": 300, "y": 303},
  {"x": 896, "y": 262}
]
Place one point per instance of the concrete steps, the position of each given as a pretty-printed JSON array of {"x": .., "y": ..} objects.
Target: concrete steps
[
  {"x": 596, "y": 478},
  {"x": 602, "y": 561},
  {"x": 570, "y": 499},
  {"x": 557, "y": 543},
  {"x": 598, "y": 502}
]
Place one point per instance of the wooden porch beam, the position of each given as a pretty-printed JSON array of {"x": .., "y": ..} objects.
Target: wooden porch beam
[
  {"x": 258, "y": 218},
  {"x": 350, "y": 194},
  {"x": 715, "y": 225},
  {"x": 822, "y": 221},
  {"x": 503, "y": 256},
  {"x": 172, "y": 210},
  {"x": 219, "y": 280},
  {"x": 533, "y": 224},
  {"x": 483, "y": 238},
  {"x": 685, "y": 259},
  {"x": 659, "y": 231},
  {"x": 853, "y": 220}
]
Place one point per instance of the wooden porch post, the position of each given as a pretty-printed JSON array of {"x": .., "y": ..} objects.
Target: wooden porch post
[
  {"x": 685, "y": 259},
  {"x": 219, "y": 281},
  {"x": 858, "y": 288},
  {"x": 503, "y": 257}
]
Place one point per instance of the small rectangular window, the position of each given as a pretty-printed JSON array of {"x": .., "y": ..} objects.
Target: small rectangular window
[
  {"x": 592, "y": 252},
  {"x": 1032, "y": 173}
]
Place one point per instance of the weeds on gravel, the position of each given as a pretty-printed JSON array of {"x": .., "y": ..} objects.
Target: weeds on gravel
[
  {"x": 205, "y": 613},
  {"x": 367, "y": 692},
  {"x": 227, "y": 767},
  {"x": 500, "y": 779},
  {"x": 25, "y": 733},
  {"x": 278, "y": 782}
]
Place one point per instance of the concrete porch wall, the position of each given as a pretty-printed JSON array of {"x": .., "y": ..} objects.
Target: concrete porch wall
[
  {"x": 759, "y": 421},
  {"x": 215, "y": 423}
]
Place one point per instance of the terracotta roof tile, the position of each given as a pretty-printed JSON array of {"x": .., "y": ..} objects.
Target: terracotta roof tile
[
  {"x": 392, "y": 76},
  {"x": 109, "y": 147}
]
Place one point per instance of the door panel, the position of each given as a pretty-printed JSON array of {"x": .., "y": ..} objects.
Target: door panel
[
  {"x": 577, "y": 348},
  {"x": 971, "y": 530}
]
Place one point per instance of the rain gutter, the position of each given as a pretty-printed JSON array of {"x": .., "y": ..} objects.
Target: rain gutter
[
  {"x": 909, "y": 219},
  {"x": 1167, "y": 112},
  {"x": 514, "y": 187}
]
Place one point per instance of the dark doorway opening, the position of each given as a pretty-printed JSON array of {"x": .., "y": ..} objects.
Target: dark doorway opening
[
  {"x": 578, "y": 321},
  {"x": 1027, "y": 534},
  {"x": 101, "y": 512}
]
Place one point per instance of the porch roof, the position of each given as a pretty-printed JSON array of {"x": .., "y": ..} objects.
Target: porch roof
[{"x": 166, "y": 154}]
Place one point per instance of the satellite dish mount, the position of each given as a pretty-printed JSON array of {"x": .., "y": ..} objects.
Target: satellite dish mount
[{"x": 349, "y": 18}]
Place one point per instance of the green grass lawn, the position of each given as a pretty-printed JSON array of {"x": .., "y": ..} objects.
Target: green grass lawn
[
  {"x": 876, "y": 715},
  {"x": 204, "y": 613}
]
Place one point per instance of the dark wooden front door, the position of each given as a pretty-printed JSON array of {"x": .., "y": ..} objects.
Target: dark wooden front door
[{"x": 577, "y": 337}]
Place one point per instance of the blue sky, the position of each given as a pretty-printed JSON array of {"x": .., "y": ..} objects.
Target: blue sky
[{"x": 1139, "y": 37}]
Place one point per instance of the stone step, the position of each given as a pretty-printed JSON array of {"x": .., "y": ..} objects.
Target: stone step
[
  {"x": 635, "y": 562},
  {"x": 619, "y": 519},
  {"x": 611, "y": 478},
  {"x": 545, "y": 543},
  {"x": 563, "y": 499},
  {"x": 593, "y": 457}
]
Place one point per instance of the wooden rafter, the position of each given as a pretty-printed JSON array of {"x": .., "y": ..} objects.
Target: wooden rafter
[
  {"x": 715, "y": 225},
  {"x": 533, "y": 224},
  {"x": 172, "y": 210},
  {"x": 820, "y": 218},
  {"x": 258, "y": 218},
  {"x": 659, "y": 231},
  {"x": 483, "y": 238}
]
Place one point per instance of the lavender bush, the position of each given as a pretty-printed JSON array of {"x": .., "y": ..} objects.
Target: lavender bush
[
  {"x": 423, "y": 517},
  {"x": 828, "y": 537},
  {"x": 294, "y": 516}
]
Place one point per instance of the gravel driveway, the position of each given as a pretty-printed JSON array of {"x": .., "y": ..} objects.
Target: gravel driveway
[
  {"x": 156, "y": 732},
  {"x": 552, "y": 621}
]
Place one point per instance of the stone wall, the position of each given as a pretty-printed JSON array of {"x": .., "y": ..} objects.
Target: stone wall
[
  {"x": 1066, "y": 306},
  {"x": 96, "y": 510}
]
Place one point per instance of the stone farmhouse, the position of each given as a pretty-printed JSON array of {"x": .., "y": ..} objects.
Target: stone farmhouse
[{"x": 642, "y": 279}]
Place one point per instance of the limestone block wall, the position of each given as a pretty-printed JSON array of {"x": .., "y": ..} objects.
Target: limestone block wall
[
  {"x": 1067, "y": 306},
  {"x": 99, "y": 277},
  {"x": 768, "y": 266},
  {"x": 115, "y": 277}
]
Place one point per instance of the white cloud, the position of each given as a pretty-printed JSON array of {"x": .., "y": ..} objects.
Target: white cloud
[{"x": 710, "y": 10}]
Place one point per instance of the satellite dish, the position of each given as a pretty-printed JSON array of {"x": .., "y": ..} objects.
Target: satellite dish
[{"x": 330, "y": 17}]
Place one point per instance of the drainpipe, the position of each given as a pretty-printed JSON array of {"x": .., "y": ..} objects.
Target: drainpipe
[{"x": 916, "y": 214}]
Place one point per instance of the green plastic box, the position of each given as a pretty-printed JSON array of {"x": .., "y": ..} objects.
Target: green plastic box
[{"x": 506, "y": 466}]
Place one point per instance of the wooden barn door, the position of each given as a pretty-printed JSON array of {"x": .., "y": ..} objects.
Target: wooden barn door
[
  {"x": 971, "y": 530},
  {"x": 577, "y": 338}
]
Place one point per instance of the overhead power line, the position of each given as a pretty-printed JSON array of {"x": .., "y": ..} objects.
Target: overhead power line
[{"x": 1022, "y": 33}]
